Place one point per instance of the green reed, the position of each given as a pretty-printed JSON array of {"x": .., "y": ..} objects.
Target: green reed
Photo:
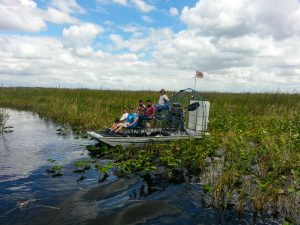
[
  {"x": 86, "y": 109},
  {"x": 3, "y": 120}
]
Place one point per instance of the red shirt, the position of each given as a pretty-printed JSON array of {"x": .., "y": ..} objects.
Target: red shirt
[{"x": 149, "y": 112}]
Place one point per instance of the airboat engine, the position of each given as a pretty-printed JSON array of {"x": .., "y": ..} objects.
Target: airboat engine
[
  {"x": 198, "y": 119},
  {"x": 196, "y": 109}
]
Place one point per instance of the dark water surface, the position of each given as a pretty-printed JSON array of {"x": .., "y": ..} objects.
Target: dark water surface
[{"x": 29, "y": 195}]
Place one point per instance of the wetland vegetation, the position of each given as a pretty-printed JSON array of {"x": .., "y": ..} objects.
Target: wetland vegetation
[
  {"x": 3, "y": 120},
  {"x": 249, "y": 159}
]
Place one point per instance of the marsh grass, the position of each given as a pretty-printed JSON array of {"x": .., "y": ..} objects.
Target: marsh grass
[
  {"x": 258, "y": 133},
  {"x": 81, "y": 108},
  {"x": 3, "y": 120}
]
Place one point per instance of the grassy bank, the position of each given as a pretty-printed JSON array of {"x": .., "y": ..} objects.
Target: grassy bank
[{"x": 252, "y": 154}]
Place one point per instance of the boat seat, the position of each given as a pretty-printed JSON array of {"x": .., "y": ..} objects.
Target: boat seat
[
  {"x": 142, "y": 128},
  {"x": 174, "y": 122}
]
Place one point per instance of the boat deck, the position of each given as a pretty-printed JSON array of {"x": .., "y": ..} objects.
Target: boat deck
[{"x": 139, "y": 139}]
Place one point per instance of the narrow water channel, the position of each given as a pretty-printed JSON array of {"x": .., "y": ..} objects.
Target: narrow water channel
[{"x": 30, "y": 195}]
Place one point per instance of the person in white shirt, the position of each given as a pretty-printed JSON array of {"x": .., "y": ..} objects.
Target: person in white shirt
[
  {"x": 163, "y": 98},
  {"x": 162, "y": 101},
  {"x": 120, "y": 120}
]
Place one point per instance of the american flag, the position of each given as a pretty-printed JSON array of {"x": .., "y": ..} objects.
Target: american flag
[{"x": 199, "y": 74}]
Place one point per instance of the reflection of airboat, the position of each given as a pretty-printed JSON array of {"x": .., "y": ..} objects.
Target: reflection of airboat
[{"x": 186, "y": 117}]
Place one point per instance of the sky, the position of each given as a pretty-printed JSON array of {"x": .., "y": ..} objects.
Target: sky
[{"x": 239, "y": 45}]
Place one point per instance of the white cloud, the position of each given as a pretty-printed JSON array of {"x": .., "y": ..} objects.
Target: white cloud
[
  {"x": 240, "y": 46},
  {"x": 251, "y": 45},
  {"x": 142, "y": 5},
  {"x": 141, "y": 43},
  {"x": 139, "y": 4},
  {"x": 80, "y": 36},
  {"x": 130, "y": 28},
  {"x": 44, "y": 61},
  {"x": 240, "y": 17},
  {"x": 25, "y": 15},
  {"x": 68, "y": 6},
  {"x": 147, "y": 19},
  {"x": 173, "y": 11},
  {"x": 118, "y": 41},
  {"x": 121, "y": 2},
  {"x": 40, "y": 61},
  {"x": 58, "y": 17},
  {"x": 20, "y": 15}
]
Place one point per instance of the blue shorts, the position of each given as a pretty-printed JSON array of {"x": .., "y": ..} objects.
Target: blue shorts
[{"x": 159, "y": 107}]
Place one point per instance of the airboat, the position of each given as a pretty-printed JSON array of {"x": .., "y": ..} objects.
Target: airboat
[{"x": 185, "y": 116}]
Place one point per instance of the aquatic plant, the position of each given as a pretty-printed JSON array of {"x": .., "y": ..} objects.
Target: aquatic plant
[
  {"x": 82, "y": 165},
  {"x": 64, "y": 130},
  {"x": 51, "y": 160},
  {"x": 3, "y": 119},
  {"x": 103, "y": 170},
  {"x": 99, "y": 151},
  {"x": 55, "y": 170}
]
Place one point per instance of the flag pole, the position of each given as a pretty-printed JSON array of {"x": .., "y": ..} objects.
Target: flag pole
[{"x": 197, "y": 75}]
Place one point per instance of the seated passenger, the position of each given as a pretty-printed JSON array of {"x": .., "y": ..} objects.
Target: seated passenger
[
  {"x": 120, "y": 120},
  {"x": 149, "y": 114},
  {"x": 150, "y": 110},
  {"x": 141, "y": 108},
  {"x": 130, "y": 122}
]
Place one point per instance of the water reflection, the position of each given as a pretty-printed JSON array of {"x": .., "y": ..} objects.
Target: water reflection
[
  {"x": 24, "y": 182},
  {"x": 32, "y": 142}
]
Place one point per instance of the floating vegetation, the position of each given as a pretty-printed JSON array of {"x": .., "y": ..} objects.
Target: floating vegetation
[
  {"x": 79, "y": 133},
  {"x": 51, "y": 160},
  {"x": 103, "y": 170},
  {"x": 82, "y": 165},
  {"x": 64, "y": 130},
  {"x": 55, "y": 170},
  {"x": 207, "y": 188}
]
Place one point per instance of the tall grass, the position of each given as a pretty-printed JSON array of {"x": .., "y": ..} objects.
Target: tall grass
[
  {"x": 3, "y": 120},
  {"x": 86, "y": 109},
  {"x": 258, "y": 133}
]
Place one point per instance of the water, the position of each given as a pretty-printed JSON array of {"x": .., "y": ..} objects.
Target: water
[{"x": 30, "y": 195}]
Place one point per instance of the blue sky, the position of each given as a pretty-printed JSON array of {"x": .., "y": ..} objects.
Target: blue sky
[
  {"x": 240, "y": 45},
  {"x": 121, "y": 15}
]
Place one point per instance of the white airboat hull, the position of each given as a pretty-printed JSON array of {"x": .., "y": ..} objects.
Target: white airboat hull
[{"x": 138, "y": 141}]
